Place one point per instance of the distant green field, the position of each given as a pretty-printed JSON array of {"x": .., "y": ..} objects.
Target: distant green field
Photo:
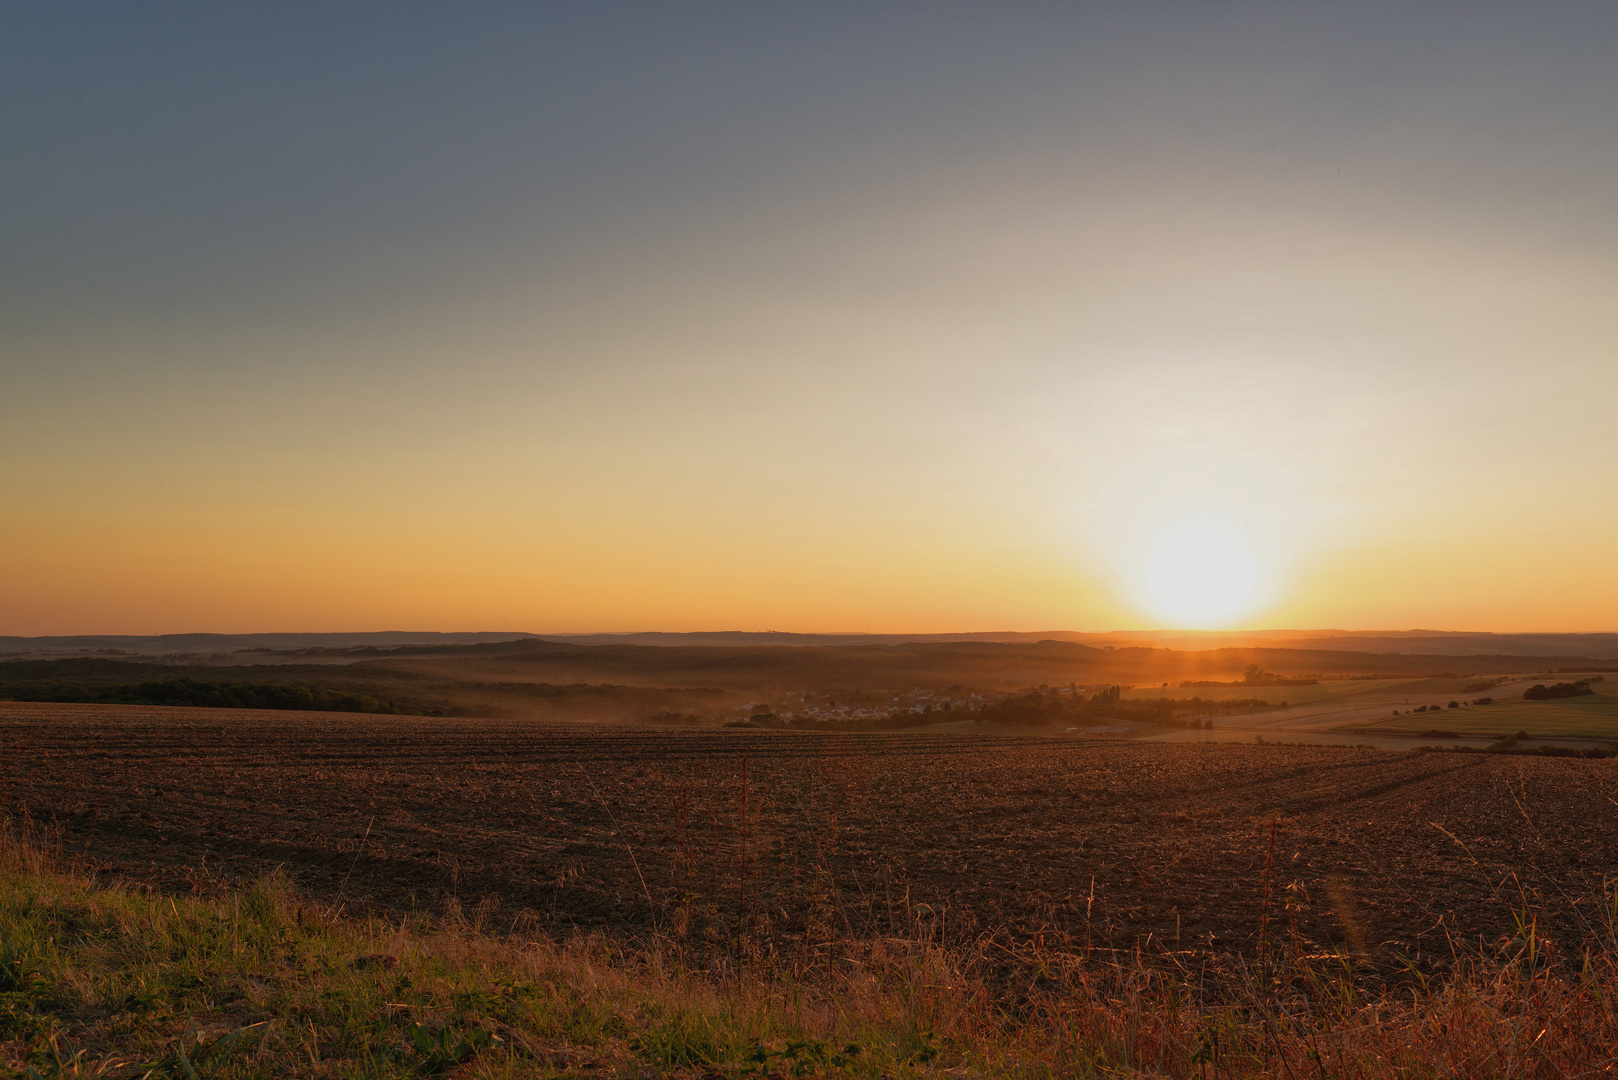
[
  {"x": 1593, "y": 717},
  {"x": 1294, "y": 695}
]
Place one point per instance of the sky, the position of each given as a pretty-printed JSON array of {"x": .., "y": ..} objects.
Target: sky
[{"x": 909, "y": 317}]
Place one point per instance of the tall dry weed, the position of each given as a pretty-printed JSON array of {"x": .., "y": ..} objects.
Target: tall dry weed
[{"x": 884, "y": 987}]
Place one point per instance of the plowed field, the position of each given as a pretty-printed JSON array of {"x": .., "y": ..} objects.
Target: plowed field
[{"x": 1160, "y": 845}]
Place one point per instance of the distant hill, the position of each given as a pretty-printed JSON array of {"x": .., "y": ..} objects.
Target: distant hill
[
  {"x": 1410, "y": 642},
  {"x": 1407, "y": 642},
  {"x": 777, "y": 637},
  {"x": 208, "y": 644},
  {"x": 620, "y": 679}
]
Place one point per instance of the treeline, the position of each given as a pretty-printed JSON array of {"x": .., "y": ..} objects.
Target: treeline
[
  {"x": 1037, "y": 708},
  {"x": 1253, "y": 676},
  {"x": 1541, "y": 692},
  {"x": 219, "y": 695},
  {"x": 897, "y": 720}
]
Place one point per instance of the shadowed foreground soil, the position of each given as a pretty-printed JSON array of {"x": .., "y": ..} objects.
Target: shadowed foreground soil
[{"x": 1124, "y": 844}]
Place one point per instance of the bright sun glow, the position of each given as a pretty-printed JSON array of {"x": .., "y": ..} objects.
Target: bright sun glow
[{"x": 1202, "y": 572}]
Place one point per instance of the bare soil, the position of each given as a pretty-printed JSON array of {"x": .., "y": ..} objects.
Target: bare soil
[{"x": 792, "y": 835}]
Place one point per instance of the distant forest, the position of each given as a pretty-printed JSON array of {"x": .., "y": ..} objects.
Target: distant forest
[
  {"x": 352, "y": 687},
  {"x": 1037, "y": 708},
  {"x": 546, "y": 680},
  {"x": 219, "y": 695}
]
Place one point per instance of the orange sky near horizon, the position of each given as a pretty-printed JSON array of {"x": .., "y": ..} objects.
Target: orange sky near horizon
[{"x": 807, "y": 321}]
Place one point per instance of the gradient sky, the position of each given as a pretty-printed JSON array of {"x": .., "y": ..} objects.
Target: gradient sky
[{"x": 900, "y": 317}]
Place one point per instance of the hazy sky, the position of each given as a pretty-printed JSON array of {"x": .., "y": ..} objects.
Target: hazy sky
[{"x": 898, "y": 317}]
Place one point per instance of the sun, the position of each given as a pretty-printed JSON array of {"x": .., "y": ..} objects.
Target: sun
[{"x": 1202, "y": 572}]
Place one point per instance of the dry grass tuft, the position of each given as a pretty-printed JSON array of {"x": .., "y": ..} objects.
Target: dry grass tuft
[{"x": 97, "y": 979}]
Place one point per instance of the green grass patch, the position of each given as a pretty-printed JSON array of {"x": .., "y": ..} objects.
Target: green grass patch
[
  {"x": 1591, "y": 717},
  {"x": 1604, "y": 702},
  {"x": 1547, "y": 721},
  {"x": 102, "y": 980}
]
